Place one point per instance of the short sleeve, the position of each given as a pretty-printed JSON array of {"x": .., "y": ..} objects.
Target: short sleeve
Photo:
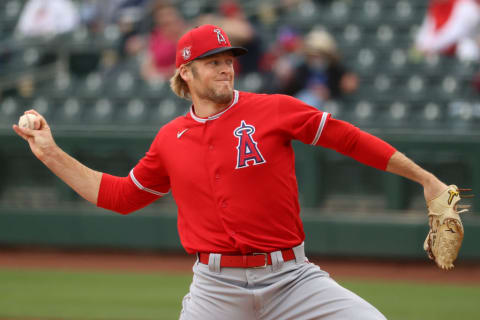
[
  {"x": 301, "y": 121},
  {"x": 150, "y": 174}
]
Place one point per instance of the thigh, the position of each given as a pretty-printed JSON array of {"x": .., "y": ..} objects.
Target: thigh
[
  {"x": 308, "y": 292},
  {"x": 213, "y": 296}
]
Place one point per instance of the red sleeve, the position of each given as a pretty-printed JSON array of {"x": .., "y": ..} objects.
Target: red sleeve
[
  {"x": 301, "y": 121},
  {"x": 121, "y": 195},
  {"x": 353, "y": 142}
]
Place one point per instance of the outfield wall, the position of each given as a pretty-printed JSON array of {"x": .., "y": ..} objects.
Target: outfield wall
[
  {"x": 321, "y": 173},
  {"x": 385, "y": 236}
]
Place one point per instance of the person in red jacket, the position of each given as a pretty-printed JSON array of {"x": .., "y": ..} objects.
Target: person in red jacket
[
  {"x": 450, "y": 27},
  {"x": 229, "y": 164}
]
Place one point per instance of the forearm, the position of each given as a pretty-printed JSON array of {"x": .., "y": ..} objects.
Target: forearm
[
  {"x": 401, "y": 165},
  {"x": 85, "y": 181}
]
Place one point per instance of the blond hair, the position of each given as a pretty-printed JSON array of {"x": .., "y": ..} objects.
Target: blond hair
[{"x": 179, "y": 86}]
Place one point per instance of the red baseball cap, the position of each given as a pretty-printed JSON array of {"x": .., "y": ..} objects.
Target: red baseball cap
[{"x": 204, "y": 41}]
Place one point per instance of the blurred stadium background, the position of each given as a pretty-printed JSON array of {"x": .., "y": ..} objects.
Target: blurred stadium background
[{"x": 105, "y": 112}]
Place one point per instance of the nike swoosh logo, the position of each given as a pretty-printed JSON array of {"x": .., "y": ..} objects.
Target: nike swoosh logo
[{"x": 180, "y": 133}]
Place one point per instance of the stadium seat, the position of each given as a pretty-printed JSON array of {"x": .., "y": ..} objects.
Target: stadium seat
[
  {"x": 154, "y": 89},
  {"x": 396, "y": 114},
  {"x": 367, "y": 13},
  {"x": 366, "y": 61},
  {"x": 9, "y": 12},
  {"x": 404, "y": 13},
  {"x": 415, "y": 88},
  {"x": 461, "y": 115},
  {"x": 62, "y": 86},
  {"x": 134, "y": 112},
  {"x": 350, "y": 39},
  {"x": 250, "y": 82},
  {"x": 192, "y": 8},
  {"x": 122, "y": 85},
  {"x": 101, "y": 111},
  {"x": 432, "y": 114},
  {"x": 301, "y": 16},
  {"x": 166, "y": 110},
  {"x": 335, "y": 108},
  {"x": 9, "y": 111},
  {"x": 336, "y": 15},
  {"x": 91, "y": 86},
  {"x": 69, "y": 111},
  {"x": 396, "y": 63},
  {"x": 382, "y": 88},
  {"x": 364, "y": 114},
  {"x": 42, "y": 105},
  {"x": 384, "y": 36},
  {"x": 163, "y": 112}
]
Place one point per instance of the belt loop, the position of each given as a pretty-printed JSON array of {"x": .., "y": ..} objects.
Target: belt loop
[
  {"x": 277, "y": 260},
  {"x": 214, "y": 262},
  {"x": 299, "y": 253}
]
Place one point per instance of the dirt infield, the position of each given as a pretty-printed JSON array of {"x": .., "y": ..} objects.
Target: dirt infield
[{"x": 419, "y": 271}]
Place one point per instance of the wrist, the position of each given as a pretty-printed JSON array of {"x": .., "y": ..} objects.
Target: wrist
[
  {"x": 50, "y": 155},
  {"x": 428, "y": 179}
]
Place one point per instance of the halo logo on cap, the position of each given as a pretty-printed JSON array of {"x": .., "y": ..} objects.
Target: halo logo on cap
[
  {"x": 203, "y": 41},
  {"x": 220, "y": 36}
]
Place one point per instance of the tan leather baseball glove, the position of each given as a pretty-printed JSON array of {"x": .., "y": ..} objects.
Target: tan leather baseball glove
[{"x": 446, "y": 230}]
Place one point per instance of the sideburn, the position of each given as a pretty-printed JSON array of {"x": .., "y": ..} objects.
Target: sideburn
[{"x": 194, "y": 71}]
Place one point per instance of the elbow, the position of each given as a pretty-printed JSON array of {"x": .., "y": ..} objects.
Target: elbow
[{"x": 120, "y": 209}]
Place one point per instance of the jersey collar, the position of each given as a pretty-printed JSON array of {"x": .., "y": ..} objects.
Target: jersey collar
[{"x": 215, "y": 116}]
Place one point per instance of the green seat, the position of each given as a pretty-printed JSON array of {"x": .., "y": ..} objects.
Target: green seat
[
  {"x": 10, "y": 110},
  {"x": 62, "y": 86},
  {"x": 336, "y": 15},
  {"x": 404, "y": 13},
  {"x": 154, "y": 89},
  {"x": 368, "y": 13},
  {"x": 68, "y": 111},
  {"x": 41, "y": 104},
  {"x": 90, "y": 86},
  {"x": 166, "y": 110},
  {"x": 122, "y": 84},
  {"x": 133, "y": 112},
  {"x": 99, "y": 111}
]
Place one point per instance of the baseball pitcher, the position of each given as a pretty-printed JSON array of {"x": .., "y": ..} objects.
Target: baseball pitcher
[{"x": 229, "y": 165}]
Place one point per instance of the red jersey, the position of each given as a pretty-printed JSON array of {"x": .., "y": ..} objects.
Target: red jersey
[{"x": 232, "y": 175}]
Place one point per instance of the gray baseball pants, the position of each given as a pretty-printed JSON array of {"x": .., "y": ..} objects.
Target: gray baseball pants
[{"x": 295, "y": 289}]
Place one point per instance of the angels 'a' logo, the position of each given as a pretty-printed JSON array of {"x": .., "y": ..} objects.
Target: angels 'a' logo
[
  {"x": 186, "y": 53},
  {"x": 247, "y": 149},
  {"x": 220, "y": 36}
]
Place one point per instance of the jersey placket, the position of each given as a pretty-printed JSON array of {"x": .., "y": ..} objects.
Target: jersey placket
[{"x": 213, "y": 167}]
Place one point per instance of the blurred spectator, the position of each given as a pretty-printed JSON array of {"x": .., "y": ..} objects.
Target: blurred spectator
[
  {"x": 128, "y": 16},
  {"x": 97, "y": 14},
  {"x": 323, "y": 74},
  {"x": 281, "y": 61},
  {"x": 450, "y": 27},
  {"x": 318, "y": 75},
  {"x": 169, "y": 26},
  {"x": 47, "y": 18},
  {"x": 232, "y": 19}
]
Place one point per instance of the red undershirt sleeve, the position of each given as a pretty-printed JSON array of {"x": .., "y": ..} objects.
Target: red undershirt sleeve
[
  {"x": 349, "y": 140},
  {"x": 121, "y": 195}
]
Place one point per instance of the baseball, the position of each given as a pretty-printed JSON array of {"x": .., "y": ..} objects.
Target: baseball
[{"x": 27, "y": 121}]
